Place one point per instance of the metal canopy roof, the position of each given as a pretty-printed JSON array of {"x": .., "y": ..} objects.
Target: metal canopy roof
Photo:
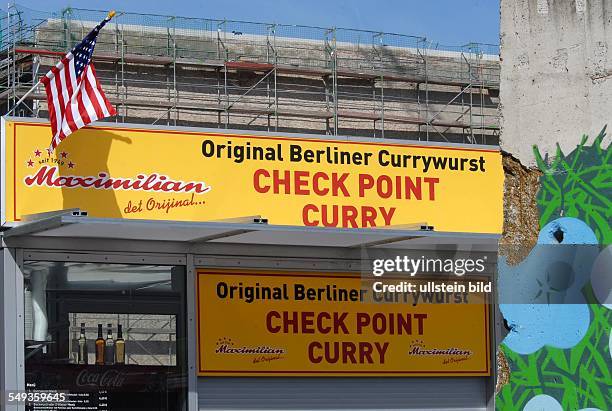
[{"x": 71, "y": 226}]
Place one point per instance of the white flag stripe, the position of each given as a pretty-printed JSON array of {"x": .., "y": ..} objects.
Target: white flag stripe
[
  {"x": 74, "y": 101},
  {"x": 92, "y": 81},
  {"x": 91, "y": 111},
  {"x": 56, "y": 140},
  {"x": 64, "y": 127},
  {"x": 60, "y": 64},
  {"x": 74, "y": 106},
  {"x": 62, "y": 77},
  {"x": 73, "y": 79},
  {"x": 56, "y": 105}
]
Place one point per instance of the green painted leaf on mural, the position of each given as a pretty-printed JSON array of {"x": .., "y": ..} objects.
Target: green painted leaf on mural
[
  {"x": 577, "y": 185},
  {"x": 578, "y": 377}
]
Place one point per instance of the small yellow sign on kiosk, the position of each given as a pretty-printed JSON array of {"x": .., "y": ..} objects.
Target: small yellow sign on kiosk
[{"x": 321, "y": 324}]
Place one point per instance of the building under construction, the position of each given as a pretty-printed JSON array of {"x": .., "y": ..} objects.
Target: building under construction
[
  {"x": 168, "y": 70},
  {"x": 229, "y": 281}
]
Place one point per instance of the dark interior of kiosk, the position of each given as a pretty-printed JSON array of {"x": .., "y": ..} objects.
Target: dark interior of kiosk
[{"x": 66, "y": 300}]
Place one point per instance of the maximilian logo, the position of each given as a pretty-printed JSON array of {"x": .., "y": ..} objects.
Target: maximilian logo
[
  {"x": 57, "y": 172},
  {"x": 225, "y": 345},
  {"x": 418, "y": 348}
]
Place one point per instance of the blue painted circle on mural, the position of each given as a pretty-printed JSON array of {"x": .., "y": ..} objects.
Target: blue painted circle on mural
[
  {"x": 567, "y": 230},
  {"x": 544, "y": 290},
  {"x": 543, "y": 402}
]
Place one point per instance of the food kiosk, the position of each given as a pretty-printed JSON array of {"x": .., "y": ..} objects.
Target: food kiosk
[{"x": 239, "y": 267}]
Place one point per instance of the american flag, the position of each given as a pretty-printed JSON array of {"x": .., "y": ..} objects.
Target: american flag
[{"x": 74, "y": 95}]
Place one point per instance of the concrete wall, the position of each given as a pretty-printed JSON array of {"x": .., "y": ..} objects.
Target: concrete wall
[
  {"x": 555, "y": 87},
  {"x": 556, "y": 73}
]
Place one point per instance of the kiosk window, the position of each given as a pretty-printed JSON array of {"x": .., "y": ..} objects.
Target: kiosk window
[
  {"x": 150, "y": 338},
  {"x": 109, "y": 336}
]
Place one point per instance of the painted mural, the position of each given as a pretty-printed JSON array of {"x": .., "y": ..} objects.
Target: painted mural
[{"x": 557, "y": 357}]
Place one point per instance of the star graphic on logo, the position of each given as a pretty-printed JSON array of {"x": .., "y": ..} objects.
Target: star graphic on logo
[
  {"x": 71, "y": 165},
  {"x": 37, "y": 153},
  {"x": 64, "y": 154},
  {"x": 30, "y": 163}
]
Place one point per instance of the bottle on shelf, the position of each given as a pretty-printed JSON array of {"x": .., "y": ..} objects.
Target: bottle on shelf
[
  {"x": 82, "y": 355},
  {"x": 120, "y": 346},
  {"x": 109, "y": 348},
  {"x": 100, "y": 346}
]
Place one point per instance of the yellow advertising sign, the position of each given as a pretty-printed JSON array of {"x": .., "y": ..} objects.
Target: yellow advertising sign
[
  {"x": 312, "y": 324},
  {"x": 161, "y": 174}
]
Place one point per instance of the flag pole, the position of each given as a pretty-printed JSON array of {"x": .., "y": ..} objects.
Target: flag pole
[
  {"x": 109, "y": 16},
  {"x": 23, "y": 97}
]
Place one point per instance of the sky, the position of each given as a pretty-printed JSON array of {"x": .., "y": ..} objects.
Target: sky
[{"x": 448, "y": 22}]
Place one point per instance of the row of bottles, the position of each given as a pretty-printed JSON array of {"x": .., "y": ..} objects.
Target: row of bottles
[{"x": 108, "y": 351}]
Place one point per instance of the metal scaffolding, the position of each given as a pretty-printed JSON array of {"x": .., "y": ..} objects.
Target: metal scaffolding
[{"x": 275, "y": 77}]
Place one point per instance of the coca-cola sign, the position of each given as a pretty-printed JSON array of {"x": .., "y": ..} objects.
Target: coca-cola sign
[{"x": 101, "y": 379}]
